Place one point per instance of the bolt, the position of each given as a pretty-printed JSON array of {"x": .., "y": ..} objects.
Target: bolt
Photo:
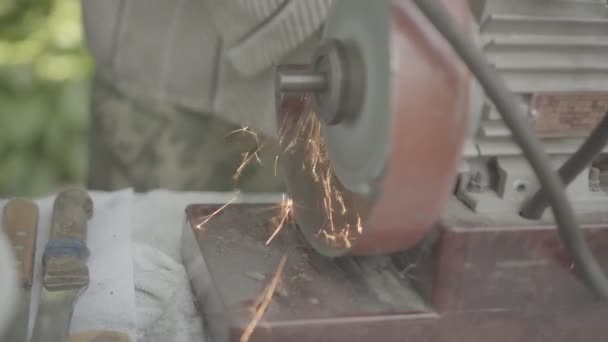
[
  {"x": 594, "y": 179},
  {"x": 476, "y": 183},
  {"x": 520, "y": 186}
]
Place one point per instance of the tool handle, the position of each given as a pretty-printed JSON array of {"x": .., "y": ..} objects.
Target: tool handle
[
  {"x": 99, "y": 336},
  {"x": 71, "y": 211},
  {"x": 65, "y": 253},
  {"x": 20, "y": 223}
]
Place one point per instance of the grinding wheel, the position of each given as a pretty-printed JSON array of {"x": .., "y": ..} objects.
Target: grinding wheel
[{"x": 372, "y": 130}]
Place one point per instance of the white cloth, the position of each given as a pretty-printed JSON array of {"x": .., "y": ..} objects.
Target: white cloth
[
  {"x": 148, "y": 227},
  {"x": 8, "y": 284},
  {"x": 165, "y": 304},
  {"x": 109, "y": 300}
]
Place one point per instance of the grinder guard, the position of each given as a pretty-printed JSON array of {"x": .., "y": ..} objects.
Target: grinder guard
[{"x": 371, "y": 171}]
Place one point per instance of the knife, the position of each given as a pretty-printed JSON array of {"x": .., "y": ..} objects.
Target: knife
[
  {"x": 20, "y": 223},
  {"x": 65, "y": 272}
]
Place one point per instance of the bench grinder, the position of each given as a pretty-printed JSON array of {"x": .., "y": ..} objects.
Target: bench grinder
[{"x": 418, "y": 200}]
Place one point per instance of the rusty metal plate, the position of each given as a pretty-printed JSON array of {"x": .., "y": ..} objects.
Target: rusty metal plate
[
  {"x": 558, "y": 115},
  {"x": 317, "y": 299}
]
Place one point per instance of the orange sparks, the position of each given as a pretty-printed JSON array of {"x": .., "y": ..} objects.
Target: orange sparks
[
  {"x": 276, "y": 162},
  {"x": 285, "y": 210},
  {"x": 327, "y": 236},
  {"x": 266, "y": 298},
  {"x": 291, "y": 145},
  {"x": 329, "y": 212},
  {"x": 210, "y": 216},
  {"x": 327, "y": 200},
  {"x": 335, "y": 238},
  {"x": 345, "y": 232},
  {"x": 327, "y": 183},
  {"x": 305, "y": 121},
  {"x": 340, "y": 200},
  {"x": 247, "y": 130},
  {"x": 303, "y": 135},
  {"x": 257, "y": 158},
  {"x": 247, "y": 158},
  {"x": 315, "y": 146},
  {"x": 282, "y": 132},
  {"x": 313, "y": 167},
  {"x": 245, "y": 161}
]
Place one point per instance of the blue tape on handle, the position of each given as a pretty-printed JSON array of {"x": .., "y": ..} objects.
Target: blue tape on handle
[{"x": 66, "y": 247}]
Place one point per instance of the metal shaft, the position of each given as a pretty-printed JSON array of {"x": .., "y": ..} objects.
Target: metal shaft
[
  {"x": 297, "y": 80},
  {"x": 54, "y": 315}
]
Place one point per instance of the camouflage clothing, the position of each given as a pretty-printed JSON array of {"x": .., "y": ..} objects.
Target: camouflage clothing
[
  {"x": 150, "y": 144},
  {"x": 171, "y": 69}
]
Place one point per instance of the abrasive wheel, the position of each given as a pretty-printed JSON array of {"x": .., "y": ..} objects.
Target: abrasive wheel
[{"x": 372, "y": 130}]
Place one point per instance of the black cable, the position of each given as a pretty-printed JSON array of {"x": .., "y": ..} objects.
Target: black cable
[
  {"x": 571, "y": 168},
  {"x": 514, "y": 118}
]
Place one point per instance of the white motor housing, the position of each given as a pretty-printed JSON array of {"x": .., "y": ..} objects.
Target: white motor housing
[{"x": 553, "y": 54}]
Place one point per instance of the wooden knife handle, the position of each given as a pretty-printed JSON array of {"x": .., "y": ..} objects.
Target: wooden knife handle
[
  {"x": 99, "y": 336},
  {"x": 20, "y": 223},
  {"x": 71, "y": 210},
  {"x": 65, "y": 254}
]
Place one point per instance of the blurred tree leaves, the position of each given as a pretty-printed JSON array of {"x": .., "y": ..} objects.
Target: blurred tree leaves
[
  {"x": 44, "y": 81},
  {"x": 19, "y": 17}
]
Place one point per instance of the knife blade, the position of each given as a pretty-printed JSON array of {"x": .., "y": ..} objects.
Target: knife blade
[
  {"x": 65, "y": 272},
  {"x": 20, "y": 223}
]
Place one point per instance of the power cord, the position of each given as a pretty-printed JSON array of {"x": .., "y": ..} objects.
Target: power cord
[
  {"x": 571, "y": 168},
  {"x": 514, "y": 118}
]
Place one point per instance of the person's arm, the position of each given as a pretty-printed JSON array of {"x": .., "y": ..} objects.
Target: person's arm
[{"x": 259, "y": 34}]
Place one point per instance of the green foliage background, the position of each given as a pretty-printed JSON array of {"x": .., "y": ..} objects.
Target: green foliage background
[{"x": 44, "y": 93}]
